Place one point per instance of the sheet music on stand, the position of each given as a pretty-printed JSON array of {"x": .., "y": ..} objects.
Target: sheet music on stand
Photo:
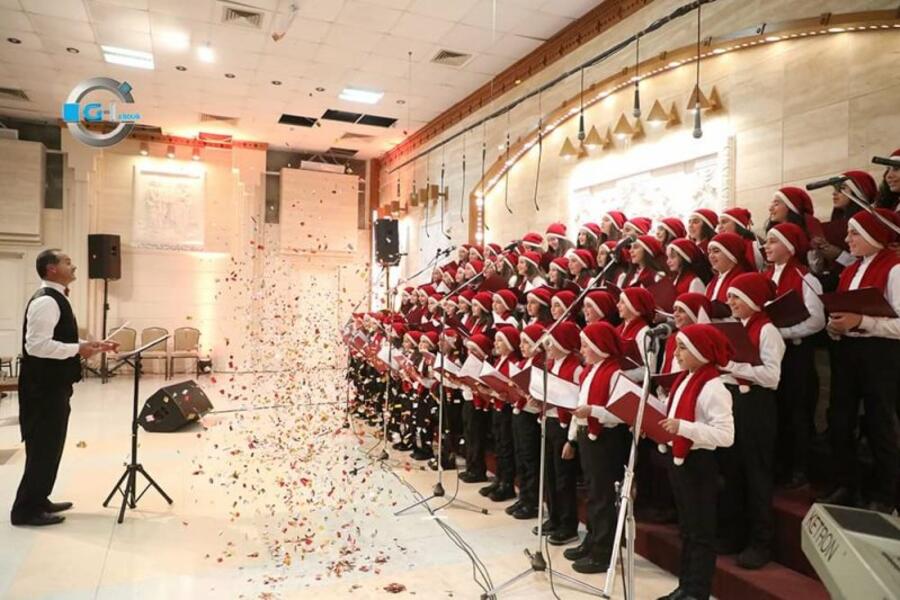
[{"x": 146, "y": 346}]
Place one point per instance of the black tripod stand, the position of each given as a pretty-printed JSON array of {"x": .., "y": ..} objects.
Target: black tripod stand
[{"x": 130, "y": 495}]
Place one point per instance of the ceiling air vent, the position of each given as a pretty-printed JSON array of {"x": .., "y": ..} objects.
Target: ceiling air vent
[
  {"x": 362, "y": 137},
  {"x": 376, "y": 121},
  {"x": 241, "y": 15},
  {"x": 341, "y": 152},
  {"x": 13, "y": 94},
  {"x": 449, "y": 58},
  {"x": 206, "y": 117},
  {"x": 341, "y": 115},
  {"x": 299, "y": 120}
]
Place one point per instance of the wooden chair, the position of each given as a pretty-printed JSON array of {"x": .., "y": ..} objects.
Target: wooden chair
[
  {"x": 186, "y": 345},
  {"x": 158, "y": 351}
]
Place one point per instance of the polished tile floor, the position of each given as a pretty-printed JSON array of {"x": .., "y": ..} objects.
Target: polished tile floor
[{"x": 272, "y": 499}]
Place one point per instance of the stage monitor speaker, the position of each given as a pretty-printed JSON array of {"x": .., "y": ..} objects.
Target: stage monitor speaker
[
  {"x": 387, "y": 242},
  {"x": 104, "y": 256},
  {"x": 174, "y": 406}
]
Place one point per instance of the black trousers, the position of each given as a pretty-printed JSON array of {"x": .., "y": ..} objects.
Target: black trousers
[
  {"x": 453, "y": 422},
  {"x": 504, "y": 449},
  {"x": 745, "y": 504},
  {"x": 694, "y": 485},
  {"x": 477, "y": 424},
  {"x": 44, "y": 443},
  {"x": 654, "y": 492},
  {"x": 796, "y": 404},
  {"x": 527, "y": 441},
  {"x": 559, "y": 479},
  {"x": 866, "y": 370},
  {"x": 424, "y": 420},
  {"x": 602, "y": 462}
]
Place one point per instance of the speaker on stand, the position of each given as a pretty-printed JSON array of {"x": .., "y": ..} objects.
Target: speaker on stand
[
  {"x": 104, "y": 262},
  {"x": 387, "y": 242}
]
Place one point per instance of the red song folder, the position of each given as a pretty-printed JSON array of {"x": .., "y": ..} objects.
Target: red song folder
[
  {"x": 720, "y": 310},
  {"x": 864, "y": 301},
  {"x": 744, "y": 350},
  {"x": 664, "y": 293},
  {"x": 666, "y": 380},
  {"x": 624, "y": 402},
  {"x": 631, "y": 355},
  {"x": 787, "y": 310}
]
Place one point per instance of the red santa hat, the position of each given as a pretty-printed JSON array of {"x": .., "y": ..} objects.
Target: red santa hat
[
  {"x": 686, "y": 249},
  {"x": 601, "y": 301},
  {"x": 755, "y": 289},
  {"x": 706, "y": 343},
  {"x": 557, "y": 230},
  {"x": 533, "y": 240},
  {"x": 510, "y": 257},
  {"x": 697, "y": 306},
  {"x": 585, "y": 257},
  {"x": 465, "y": 297},
  {"x": 399, "y": 329},
  {"x": 430, "y": 337},
  {"x": 532, "y": 333},
  {"x": 531, "y": 257},
  {"x": 561, "y": 264},
  {"x": 862, "y": 184},
  {"x": 796, "y": 199},
  {"x": 508, "y": 335},
  {"x": 639, "y": 301},
  {"x": 477, "y": 265},
  {"x": 413, "y": 336},
  {"x": 507, "y": 298},
  {"x": 731, "y": 245},
  {"x": 651, "y": 245},
  {"x": 495, "y": 248},
  {"x": 454, "y": 300},
  {"x": 875, "y": 229},
  {"x": 541, "y": 295},
  {"x": 618, "y": 218},
  {"x": 592, "y": 229},
  {"x": 480, "y": 343},
  {"x": 452, "y": 336},
  {"x": 792, "y": 237},
  {"x": 674, "y": 226},
  {"x": 602, "y": 338},
  {"x": 641, "y": 224},
  {"x": 478, "y": 250},
  {"x": 738, "y": 215},
  {"x": 565, "y": 336},
  {"x": 564, "y": 298},
  {"x": 449, "y": 269},
  {"x": 484, "y": 300},
  {"x": 707, "y": 216}
]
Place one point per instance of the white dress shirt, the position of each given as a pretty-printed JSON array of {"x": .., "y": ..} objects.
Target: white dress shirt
[
  {"x": 815, "y": 323},
  {"x": 42, "y": 317},
  {"x": 884, "y": 327},
  {"x": 713, "y": 424},
  {"x": 771, "y": 351},
  {"x": 537, "y": 282},
  {"x": 720, "y": 280},
  {"x": 697, "y": 286}
]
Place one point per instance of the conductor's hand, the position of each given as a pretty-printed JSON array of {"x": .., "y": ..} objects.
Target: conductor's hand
[
  {"x": 109, "y": 346},
  {"x": 88, "y": 349}
]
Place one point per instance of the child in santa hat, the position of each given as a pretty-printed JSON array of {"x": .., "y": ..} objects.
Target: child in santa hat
[
  {"x": 476, "y": 418},
  {"x": 506, "y": 349},
  {"x": 700, "y": 417},
  {"x": 688, "y": 266},
  {"x": 866, "y": 355},
  {"x": 748, "y": 467}
]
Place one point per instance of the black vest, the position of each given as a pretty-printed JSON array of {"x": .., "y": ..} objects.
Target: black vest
[{"x": 50, "y": 370}]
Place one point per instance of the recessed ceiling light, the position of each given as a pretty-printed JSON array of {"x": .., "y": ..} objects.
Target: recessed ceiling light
[
  {"x": 127, "y": 57},
  {"x": 72, "y": 50},
  {"x": 229, "y": 75},
  {"x": 518, "y": 81},
  {"x": 401, "y": 101},
  {"x": 320, "y": 89},
  {"x": 276, "y": 82},
  {"x": 206, "y": 53},
  {"x": 13, "y": 40},
  {"x": 362, "y": 96},
  {"x": 180, "y": 68}
]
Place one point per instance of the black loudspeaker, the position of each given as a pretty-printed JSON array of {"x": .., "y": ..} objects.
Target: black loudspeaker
[
  {"x": 174, "y": 406},
  {"x": 387, "y": 242},
  {"x": 104, "y": 257}
]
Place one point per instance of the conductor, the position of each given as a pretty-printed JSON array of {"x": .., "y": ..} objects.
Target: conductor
[{"x": 51, "y": 364}]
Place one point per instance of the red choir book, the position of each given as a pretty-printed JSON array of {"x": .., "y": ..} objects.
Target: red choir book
[
  {"x": 665, "y": 380},
  {"x": 664, "y": 293},
  {"x": 624, "y": 402},
  {"x": 787, "y": 310},
  {"x": 493, "y": 283},
  {"x": 720, "y": 310},
  {"x": 864, "y": 301},
  {"x": 631, "y": 355},
  {"x": 744, "y": 350}
]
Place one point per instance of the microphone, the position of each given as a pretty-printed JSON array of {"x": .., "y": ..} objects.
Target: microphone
[
  {"x": 625, "y": 241},
  {"x": 661, "y": 331},
  {"x": 833, "y": 181},
  {"x": 887, "y": 162},
  {"x": 511, "y": 246},
  {"x": 446, "y": 251}
]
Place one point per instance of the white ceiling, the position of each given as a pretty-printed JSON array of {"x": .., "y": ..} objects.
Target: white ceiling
[{"x": 331, "y": 44}]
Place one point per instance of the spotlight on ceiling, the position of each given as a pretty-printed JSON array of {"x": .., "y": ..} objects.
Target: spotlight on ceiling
[{"x": 363, "y": 96}]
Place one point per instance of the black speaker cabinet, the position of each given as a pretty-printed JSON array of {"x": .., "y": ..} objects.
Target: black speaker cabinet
[
  {"x": 104, "y": 256},
  {"x": 174, "y": 406},
  {"x": 387, "y": 242}
]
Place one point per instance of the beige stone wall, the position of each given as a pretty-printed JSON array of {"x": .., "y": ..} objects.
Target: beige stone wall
[{"x": 796, "y": 110}]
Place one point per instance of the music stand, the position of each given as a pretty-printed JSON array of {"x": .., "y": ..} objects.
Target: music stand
[{"x": 130, "y": 496}]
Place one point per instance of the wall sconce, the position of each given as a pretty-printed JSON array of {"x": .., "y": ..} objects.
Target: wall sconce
[
  {"x": 657, "y": 115},
  {"x": 195, "y": 154},
  {"x": 593, "y": 139},
  {"x": 170, "y": 151},
  {"x": 145, "y": 149},
  {"x": 638, "y": 130},
  {"x": 568, "y": 151},
  {"x": 713, "y": 102},
  {"x": 674, "y": 117},
  {"x": 623, "y": 129}
]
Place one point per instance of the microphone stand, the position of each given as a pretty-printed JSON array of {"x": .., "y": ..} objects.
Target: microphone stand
[
  {"x": 625, "y": 520},
  {"x": 537, "y": 562},
  {"x": 438, "y": 490}
]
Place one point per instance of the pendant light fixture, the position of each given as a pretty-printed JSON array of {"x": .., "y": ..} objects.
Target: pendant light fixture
[
  {"x": 540, "y": 145},
  {"x": 698, "y": 129},
  {"x": 506, "y": 164},
  {"x": 636, "y": 113},
  {"x": 462, "y": 189}
]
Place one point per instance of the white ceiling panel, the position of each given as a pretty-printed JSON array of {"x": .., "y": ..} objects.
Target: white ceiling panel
[{"x": 67, "y": 9}]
